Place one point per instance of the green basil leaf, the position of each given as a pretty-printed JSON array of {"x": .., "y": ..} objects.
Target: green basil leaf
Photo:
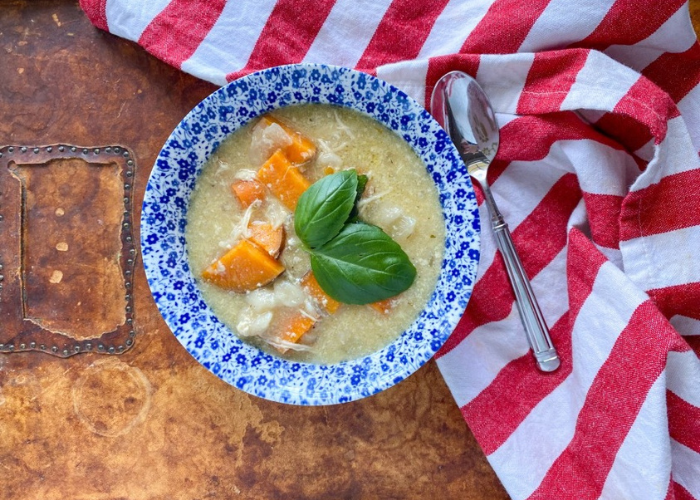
[
  {"x": 361, "y": 184},
  {"x": 324, "y": 207},
  {"x": 361, "y": 265}
]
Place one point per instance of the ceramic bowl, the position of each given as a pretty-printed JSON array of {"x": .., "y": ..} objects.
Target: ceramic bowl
[{"x": 173, "y": 286}]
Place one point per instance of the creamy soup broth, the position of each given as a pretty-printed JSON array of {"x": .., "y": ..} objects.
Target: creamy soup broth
[{"x": 398, "y": 185}]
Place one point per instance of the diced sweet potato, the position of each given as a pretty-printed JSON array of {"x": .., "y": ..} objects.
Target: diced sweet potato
[
  {"x": 322, "y": 298},
  {"x": 301, "y": 149},
  {"x": 293, "y": 327},
  {"x": 266, "y": 236},
  {"x": 248, "y": 192},
  {"x": 243, "y": 268},
  {"x": 384, "y": 306},
  {"x": 283, "y": 179}
]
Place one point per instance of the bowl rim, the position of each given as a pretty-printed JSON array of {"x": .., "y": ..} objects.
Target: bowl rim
[{"x": 355, "y": 369}]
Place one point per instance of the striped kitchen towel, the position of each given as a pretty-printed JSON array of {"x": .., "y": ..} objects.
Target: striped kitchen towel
[{"x": 598, "y": 175}]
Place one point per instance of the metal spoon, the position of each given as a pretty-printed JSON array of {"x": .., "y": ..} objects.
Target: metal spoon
[{"x": 460, "y": 105}]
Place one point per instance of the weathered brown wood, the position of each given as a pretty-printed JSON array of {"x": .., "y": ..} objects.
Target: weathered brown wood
[{"x": 152, "y": 423}]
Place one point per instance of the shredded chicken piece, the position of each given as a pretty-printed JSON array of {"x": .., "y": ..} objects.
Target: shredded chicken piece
[
  {"x": 342, "y": 125},
  {"x": 286, "y": 345},
  {"x": 327, "y": 147},
  {"x": 276, "y": 214},
  {"x": 240, "y": 230},
  {"x": 370, "y": 199}
]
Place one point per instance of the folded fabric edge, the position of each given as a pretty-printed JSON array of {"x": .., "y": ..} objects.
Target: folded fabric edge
[{"x": 96, "y": 11}]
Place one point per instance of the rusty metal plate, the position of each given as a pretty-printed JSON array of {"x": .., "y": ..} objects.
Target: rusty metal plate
[{"x": 68, "y": 251}]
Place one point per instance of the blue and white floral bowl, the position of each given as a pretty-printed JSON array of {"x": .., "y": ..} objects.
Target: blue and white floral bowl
[{"x": 178, "y": 298}]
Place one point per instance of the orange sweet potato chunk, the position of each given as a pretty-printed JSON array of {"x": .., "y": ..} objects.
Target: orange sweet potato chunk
[
  {"x": 283, "y": 179},
  {"x": 293, "y": 328},
  {"x": 384, "y": 306},
  {"x": 322, "y": 298},
  {"x": 266, "y": 236},
  {"x": 243, "y": 268},
  {"x": 248, "y": 192},
  {"x": 301, "y": 149}
]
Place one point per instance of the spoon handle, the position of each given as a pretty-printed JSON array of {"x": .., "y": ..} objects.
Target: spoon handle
[{"x": 535, "y": 326}]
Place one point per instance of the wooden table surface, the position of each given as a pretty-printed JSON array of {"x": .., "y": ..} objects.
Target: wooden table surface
[{"x": 152, "y": 423}]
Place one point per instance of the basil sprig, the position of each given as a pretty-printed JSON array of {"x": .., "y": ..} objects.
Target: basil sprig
[{"x": 354, "y": 262}]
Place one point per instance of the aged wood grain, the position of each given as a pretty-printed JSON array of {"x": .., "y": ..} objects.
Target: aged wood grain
[{"x": 152, "y": 423}]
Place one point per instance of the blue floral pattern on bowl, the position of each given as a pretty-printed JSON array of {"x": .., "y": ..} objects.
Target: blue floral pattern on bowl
[{"x": 164, "y": 215}]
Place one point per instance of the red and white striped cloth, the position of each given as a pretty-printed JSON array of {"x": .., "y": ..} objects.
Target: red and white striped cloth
[{"x": 598, "y": 176}]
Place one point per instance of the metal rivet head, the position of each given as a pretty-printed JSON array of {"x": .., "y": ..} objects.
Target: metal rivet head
[
  {"x": 0, "y": 267},
  {"x": 1, "y": 277},
  {"x": 2, "y": 346},
  {"x": 126, "y": 200},
  {"x": 129, "y": 173},
  {"x": 88, "y": 346},
  {"x": 23, "y": 149},
  {"x": 22, "y": 346},
  {"x": 130, "y": 162},
  {"x": 76, "y": 348},
  {"x": 85, "y": 151},
  {"x": 129, "y": 320},
  {"x": 128, "y": 273},
  {"x": 129, "y": 342},
  {"x": 61, "y": 149},
  {"x": 11, "y": 149},
  {"x": 54, "y": 348},
  {"x": 126, "y": 225},
  {"x": 132, "y": 251},
  {"x": 36, "y": 151},
  {"x": 11, "y": 347},
  {"x": 128, "y": 284},
  {"x": 1, "y": 217},
  {"x": 108, "y": 149},
  {"x": 0, "y": 155},
  {"x": 129, "y": 261},
  {"x": 127, "y": 186},
  {"x": 49, "y": 149},
  {"x": 100, "y": 347},
  {"x": 120, "y": 348},
  {"x": 126, "y": 154},
  {"x": 117, "y": 149},
  {"x": 74, "y": 149},
  {"x": 42, "y": 347},
  {"x": 32, "y": 345},
  {"x": 128, "y": 238},
  {"x": 65, "y": 352},
  {"x": 111, "y": 350},
  {"x": 128, "y": 309},
  {"x": 96, "y": 151}
]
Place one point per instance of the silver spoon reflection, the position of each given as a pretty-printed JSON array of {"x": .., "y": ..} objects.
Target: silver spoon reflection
[{"x": 460, "y": 105}]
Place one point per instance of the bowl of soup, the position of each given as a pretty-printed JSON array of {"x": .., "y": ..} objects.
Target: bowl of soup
[{"x": 310, "y": 235}]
